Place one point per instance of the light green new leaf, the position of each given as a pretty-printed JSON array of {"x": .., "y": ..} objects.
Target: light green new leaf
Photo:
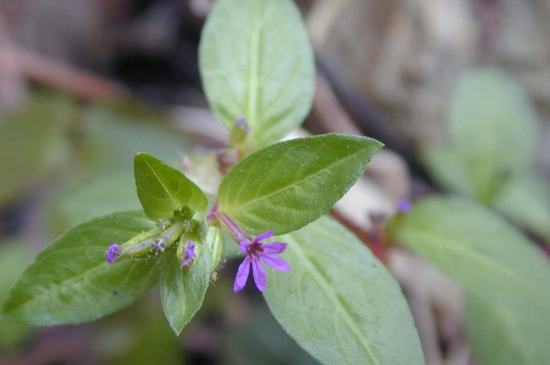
[
  {"x": 162, "y": 189},
  {"x": 71, "y": 282},
  {"x": 182, "y": 290},
  {"x": 339, "y": 302},
  {"x": 285, "y": 186},
  {"x": 256, "y": 61},
  {"x": 526, "y": 201},
  {"x": 32, "y": 143},
  {"x": 492, "y": 261}
]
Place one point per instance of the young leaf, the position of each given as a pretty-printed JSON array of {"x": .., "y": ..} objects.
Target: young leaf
[
  {"x": 162, "y": 189},
  {"x": 491, "y": 260},
  {"x": 182, "y": 290},
  {"x": 70, "y": 281},
  {"x": 256, "y": 61},
  {"x": 285, "y": 186},
  {"x": 339, "y": 302}
]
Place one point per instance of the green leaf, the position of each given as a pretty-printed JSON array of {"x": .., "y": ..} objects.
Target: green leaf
[
  {"x": 32, "y": 143},
  {"x": 285, "y": 186},
  {"x": 70, "y": 281},
  {"x": 13, "y": 259},
  {"x": 162, "y": 189},
  {"x": 76, "y": 202},
  {"x": 490, "y": 260},
  {"x": 256, "y": 61},
  {"x": 491, "y": 118},
  {"x": 492, "y": 132},
  {"x": 258, "y": 339},
  {"x": 526, "y": 201},
  {"x": 182, "y": 291},
  {"x": 112, "y": 135},
  {"x": 503, "y": 335},
  {"x": 339, "y": 302}
]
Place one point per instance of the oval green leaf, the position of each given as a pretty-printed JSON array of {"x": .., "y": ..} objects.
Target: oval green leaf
[
  {"x": 491, "y": 261},
  {"x": 70, "y": 281},
  {"x": 162, "y": 189},
  {"x": 256, "y": 61},
  {"x": 339, "y": 302},
  {"x": 285, "y": 186},
  {"x": 182, "y": 290}
]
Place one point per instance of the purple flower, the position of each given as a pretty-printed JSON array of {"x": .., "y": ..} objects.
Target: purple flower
[
  {"x": 256, "y": 252},
  {"x": 189, "y": 254},
  {"x": 404, "y": 206},
  {"x": 112, "y": 253}
]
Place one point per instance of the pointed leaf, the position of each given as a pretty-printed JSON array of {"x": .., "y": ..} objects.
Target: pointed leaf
[
  {"x": 162, "y": 189},
  {"x": 339, "y": 302},
  {"x": 70, "y": 281},
  {"x": 285, "y": 186},
  {"x": 182, "y": 290},
  {"x": 256, "y": 61}
]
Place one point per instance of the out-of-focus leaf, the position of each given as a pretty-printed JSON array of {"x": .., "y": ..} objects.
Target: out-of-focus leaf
[
  {"x": 526, "y": 200},
  {"x": 339, "y": 302},
  {"x": 76, "y": 203},
  {"x": 448, "y": 169},
  {"x": 113, "y": 134},
  {"x": 71, "y": 282},
  {"x": 182, "y": 290},
  {"x": 260, "y": 340},
  {"x": 32, "y": 143},
  {"x": 492, "y": 133},
  {"x": 256, "y": 61},
  {"x": 162, "y": 189},
  {"x": 287, "y": 185},
  {"x": 492, "y": 261},
  {"x": 138, "y": 335},
  {"x": 502, "y": 335},
  {"x": 490, "y": 119},
  {"x": 13, "y": 259}
]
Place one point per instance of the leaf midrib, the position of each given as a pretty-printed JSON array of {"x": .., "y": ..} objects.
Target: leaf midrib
[
  {"x": 161, "y": 183},
  {"x": 288, "y": 187},
  {"x": 329, "y": 293}
]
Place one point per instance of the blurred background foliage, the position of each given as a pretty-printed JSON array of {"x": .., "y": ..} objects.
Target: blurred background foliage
[{"x": 458, "y": 91}]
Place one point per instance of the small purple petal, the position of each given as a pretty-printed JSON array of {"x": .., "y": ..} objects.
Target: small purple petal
[
  {"x": 186, "y": 263},
  {"x": 404, "y": 206},
  {"x": 242, "y": 275},
  {"x": 275, "y": 262},
  {"x": 274, "y": 247},
  {"x": 243, "y": 246},
  {"x": 260, "y": 277},
  {"x": 112, "y": 253},
  {"x": 191, "y": 245},
  {"x": 263, "y": 236}
]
